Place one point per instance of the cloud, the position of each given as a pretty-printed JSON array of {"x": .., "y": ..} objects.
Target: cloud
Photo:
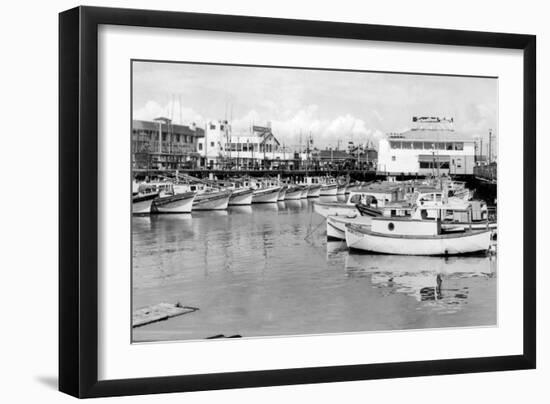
[
  {"x": 301, "y": 123},
  {"x": 174, "y": 110}
]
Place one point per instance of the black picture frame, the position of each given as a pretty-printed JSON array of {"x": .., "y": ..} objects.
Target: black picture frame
[{"x": 78, "y": 200}]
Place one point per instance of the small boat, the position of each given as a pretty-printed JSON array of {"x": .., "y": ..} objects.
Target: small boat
[
  {"x": 293, "y": 192},
  {"x": 266, "y": 195},
  {"x": 213, "y": 200},
  {"x": 174, "y": 203},
  {"x": 336, "y": 225},
  {"x": 305, "y": 192},
  {"x": 241, "y": 197},
  {"x": 329, "y": 190},
  {"x": 415, "y": 237},
  {"x": 326, "y": 209},
  {"x": 314, "y": 191},
  {"x": 141, "y": 203},
  {"x": 282, "y": 193}
]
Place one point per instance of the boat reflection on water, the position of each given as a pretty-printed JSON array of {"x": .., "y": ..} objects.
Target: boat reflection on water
[
  {"x": 441, "y": 280},
  {"x": 210, "y": 213},
  {"x": 240, "y": 209},
  {"x": 294, "y": 206},
  {"x": 336, "y": 249},
  {"x": 266, "y": 207}
]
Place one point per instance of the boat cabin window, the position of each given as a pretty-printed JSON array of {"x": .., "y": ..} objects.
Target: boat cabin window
[
  {"x": 391, "y": 226},
  {"x": 355, "y": 199},
  {"x": 438, "y": 197}
]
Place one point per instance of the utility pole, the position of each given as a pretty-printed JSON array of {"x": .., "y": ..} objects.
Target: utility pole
[{"x": 490, "y": 146}]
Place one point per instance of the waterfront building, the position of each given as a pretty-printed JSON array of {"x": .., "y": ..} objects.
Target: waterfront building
[
  {"x": 431, "y": 146},
  {"x": 331, "y": 159},
  {"x": 162, "y": 145},
  {"x": 258, "y": 149}
]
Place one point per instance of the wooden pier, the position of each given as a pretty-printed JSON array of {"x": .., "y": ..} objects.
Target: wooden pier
[{"x": 159, "y": 312}]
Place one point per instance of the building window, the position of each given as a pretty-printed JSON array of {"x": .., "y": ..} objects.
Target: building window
[
  {"x": 211, "y": 144},
  {"x": 406, "y": 145},
  {"x": 459, "y": 146},
  {"x": 417, "y": 145},
  {"x": 425, "y": 164},
  {"x": 212, "y": 126},
  {"x": 392, "y": 158},
  {"x": 395, "y": 145},
  {"x": 200, "y": 146}
]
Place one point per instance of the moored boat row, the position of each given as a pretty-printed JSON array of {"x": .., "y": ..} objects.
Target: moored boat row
[
  {"x": 184, "y": 194},
  {"x": 410, "y": 219}
]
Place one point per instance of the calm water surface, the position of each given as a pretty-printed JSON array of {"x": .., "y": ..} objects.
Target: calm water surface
[{"x": 266, "y": 270}]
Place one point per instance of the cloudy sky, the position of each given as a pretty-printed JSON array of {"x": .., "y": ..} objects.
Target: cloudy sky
[{"x": 331, "y": 105}]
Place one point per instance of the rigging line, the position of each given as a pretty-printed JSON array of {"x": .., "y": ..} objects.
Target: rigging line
[{"x": 314, "y": 230}]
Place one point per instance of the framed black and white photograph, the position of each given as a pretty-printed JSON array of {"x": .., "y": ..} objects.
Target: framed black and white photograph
[{"x": 255, "y": 201}]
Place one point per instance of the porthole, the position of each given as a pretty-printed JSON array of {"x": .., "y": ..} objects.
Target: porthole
[{"x": 391, "y": 226}]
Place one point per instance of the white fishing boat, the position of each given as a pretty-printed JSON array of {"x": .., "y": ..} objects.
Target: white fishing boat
[
  {"x": 336, "y": 225},
  {"x": 415, "y": 237},
  {"x": 314, "y": 191},
  {"x": 294, "y": 192},
  {"x": 141, "y": 203},
  {"x": 266, "y": 195},
  {"x": 334, "y": 209},
  {"x": 174, "y": 203},
  {"x": 241, "y": 197},
  {"x": 212, "y": 200},
  {"x": 282, "y": 193},
  {"x": 376, "y": 196},
  {"x": 329, "y": 189}
]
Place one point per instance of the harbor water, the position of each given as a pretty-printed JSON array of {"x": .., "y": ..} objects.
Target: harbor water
[{"x": 268, "y": 270}]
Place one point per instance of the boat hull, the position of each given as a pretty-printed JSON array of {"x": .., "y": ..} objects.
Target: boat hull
[
  {"x": 214, "y": 201},
  {"x": 448, "y": 244},
  {"x": 270, "y": 195},
  {"x": 179, "y": 203},
  {"x": 334, "y": 209},
  {"x": 341, "y": 190},
  {"x": 329, "y": 190},
  {"x": 141, "y": 204},
  {"x": 305, "y": 192},
  {"x": 282, "y": 194},
  {"x": 241, "y": 198},
  {"x": 336, "y": 225},
  {"x": 314, "y": 191},
  {"x": 293, "y": 194}
]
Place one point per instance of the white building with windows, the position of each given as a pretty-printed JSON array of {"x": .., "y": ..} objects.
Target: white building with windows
[
  {"x": 221, "y": 148},
  {"x": 431, "y": 147}
]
